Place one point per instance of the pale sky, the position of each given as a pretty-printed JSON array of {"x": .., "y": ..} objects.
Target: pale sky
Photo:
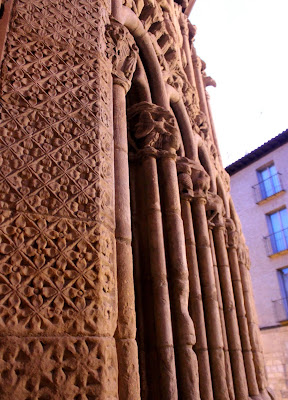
[{"x": 244, "y": 44}]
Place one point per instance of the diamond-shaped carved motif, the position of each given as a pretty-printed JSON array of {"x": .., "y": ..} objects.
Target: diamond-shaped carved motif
[
  {"x": 56, "y": 274},
  {"x": 56, "y": 182},
  {"x": 58, "y": 368}
]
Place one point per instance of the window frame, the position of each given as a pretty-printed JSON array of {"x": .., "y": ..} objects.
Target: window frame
[
  {"x": 277, "y": 237},
  {"x": 271, "y": 185}
]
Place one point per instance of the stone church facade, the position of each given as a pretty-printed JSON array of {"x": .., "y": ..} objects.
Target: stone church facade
[{"x": 123, "y": 272}]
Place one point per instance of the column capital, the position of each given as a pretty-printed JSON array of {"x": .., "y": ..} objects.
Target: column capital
[
  {"x": 201, "y": 125},
  {"x": 184, "y": 25},
  {"x": 243, "y": 255},
  {"x": 200, "y": 180},
  {"x": 152, "y": 126},
  {"x": 215, "y": 210},
  {"x": 184, "y": 173},
  {"x": 197, "y": 62},
  {"x": 232, "y": 234},
  {"x": 122, "y": 51}
]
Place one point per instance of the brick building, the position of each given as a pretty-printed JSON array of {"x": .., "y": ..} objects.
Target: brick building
[{"x": 259, "y": 189}]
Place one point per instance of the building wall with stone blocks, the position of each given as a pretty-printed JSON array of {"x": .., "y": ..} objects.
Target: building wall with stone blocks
[
  {"x": 269, "y": 256},
  {"x": 123, "y": 271}
]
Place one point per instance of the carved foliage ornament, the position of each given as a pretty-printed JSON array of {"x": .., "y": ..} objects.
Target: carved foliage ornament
[
  {"x": 152, "y": 126},
  {"x": 122, "y": 50}
]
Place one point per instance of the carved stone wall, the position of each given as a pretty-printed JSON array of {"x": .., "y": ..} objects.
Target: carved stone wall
[
  {"x": 123, "y": 271},
  {"x": 58, "y": 301}
]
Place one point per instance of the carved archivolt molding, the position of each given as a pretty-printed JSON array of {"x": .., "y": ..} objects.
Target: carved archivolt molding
[{"x": 122, "y": 51}]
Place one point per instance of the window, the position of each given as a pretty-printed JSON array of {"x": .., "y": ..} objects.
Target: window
[
  {"x": 269, "y": 181},
  {"x": 283, "y": 275},
  {"x": 281, "y": 305},
  {"x": 278, "y": 229}
]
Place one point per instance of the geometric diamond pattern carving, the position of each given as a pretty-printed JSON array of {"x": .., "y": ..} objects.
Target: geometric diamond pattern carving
[
  {"x": 57, "y": 271},
  {"x": 58, "y": 368}
]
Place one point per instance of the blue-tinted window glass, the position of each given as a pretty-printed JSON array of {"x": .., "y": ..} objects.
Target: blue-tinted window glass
[
  {"x": 278, "y": 226},
  {"x": 269, "y": 181}
]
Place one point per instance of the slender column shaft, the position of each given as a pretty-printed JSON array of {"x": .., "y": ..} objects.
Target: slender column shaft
[
  {"x": 163, "y": 326},
  {"x": 242, "y": 322},
  {"x": 137, "y": 232},
  {"x": 253, "y": 327},
  {"x": 183, "y": 328},
  {"x": 129, "y": 387},
  {"x": 196, "y": 304},
  {"x": 233, "y": 337},
  {"x": 212, "y": 317},
  {"x": 228, "y": 370}
]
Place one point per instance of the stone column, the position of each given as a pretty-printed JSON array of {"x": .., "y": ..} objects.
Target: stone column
[
  {"x": 231, "y": 323},
  {"x": 144, "y": 134},
  {"x": 195, "y": 295},
  {"x": 240, "y": 309},
  {"x": 123, "y": 53},
  {"x": 183, "y": 328},
  {"x": 244, "y": 264},
  {"x": 141, "y": 275},
  {"x": 211, "y": 309},
  {"x": 228, "y": 370}
]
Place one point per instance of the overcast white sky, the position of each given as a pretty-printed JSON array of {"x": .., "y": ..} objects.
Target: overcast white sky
[{"x": 245, "y": 46}]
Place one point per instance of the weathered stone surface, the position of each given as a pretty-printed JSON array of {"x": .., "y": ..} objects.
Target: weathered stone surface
[
  {"x": 104, "y": 111},
  {"x": 58, "y": 368}
]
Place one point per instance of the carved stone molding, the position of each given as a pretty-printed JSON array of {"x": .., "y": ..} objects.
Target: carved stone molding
[
  {"x": 152, "y": 126},
  {"x": 122, "y": 51}
]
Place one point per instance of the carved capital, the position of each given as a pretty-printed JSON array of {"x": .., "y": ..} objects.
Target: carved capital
[
  {"x": 122, "y": 51},
  {"x": 185, "y": 178},
  {"x": 200, "y": 179},
  {"x": 201, "y": 125},
  {"x": 152, "y": 126},
  {"x": 197, "y": 63},
  {"x": 184, "y": 25},
  {"x": 243, "y": 255},
  {"x": 232, "y": 234},
  {"x": 215, "y": 209}
]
